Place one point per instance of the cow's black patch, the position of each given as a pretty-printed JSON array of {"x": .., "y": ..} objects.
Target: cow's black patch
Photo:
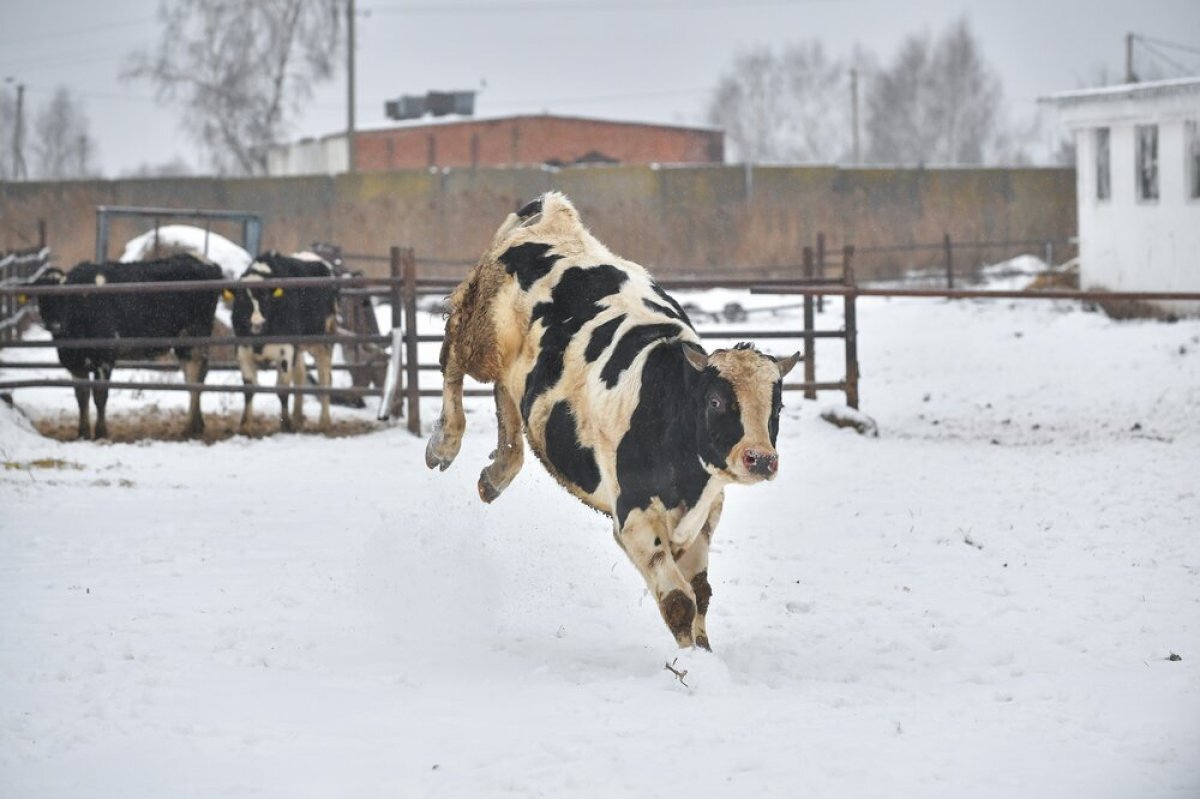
[
  {"x": 665, "y": 310},
  {"x": 776, "y": 407},
  {"x": 576, "y": 463},
  {"x": 574, "y": 301},
  {"x": 722, "y": 428},
  {"x": 529, "y": 262},
  {"x": 634, "y": 341},
  {"x": 682, "y": 314},
  {"x": 601, "y": 337},
  {"x": 657, "y": 455}
]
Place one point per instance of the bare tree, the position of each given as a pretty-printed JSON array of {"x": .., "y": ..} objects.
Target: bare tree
[
  {"x": 239, "y": 71},
  {"x": 62, "y": 146},
  {"x": 939, "y": 102},
  {"x": 792, "y": 106}
]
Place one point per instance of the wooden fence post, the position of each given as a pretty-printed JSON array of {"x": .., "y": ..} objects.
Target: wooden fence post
[
  {"x": 851, "y": 322},
  {"x": 810, "y": 355},
  {"x": 949, "y": 260},
  {"x": 413, "y": 383}
]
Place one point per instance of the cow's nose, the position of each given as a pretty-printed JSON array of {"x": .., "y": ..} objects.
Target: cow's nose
[
  {"x": 256, "y": 327},
  {"x": 759, "y": 462}
]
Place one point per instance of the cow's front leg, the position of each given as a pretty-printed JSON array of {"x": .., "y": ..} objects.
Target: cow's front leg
[
  {"x": 644, "y": 539},
  {"x": 323, "y": 355},
  {"x": 100, "y": 395},
  {"x": 693, "y": 564},
  {"x": 249, "y": 369},
  {"x": 195, "y": 369},
  {"x": 283, "y": 379},
  {"x": 510, "y": 450},
  {"x": 446, "y": 439}
]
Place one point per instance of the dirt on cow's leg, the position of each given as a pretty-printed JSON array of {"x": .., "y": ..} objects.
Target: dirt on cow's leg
[
  {"x": 510, "y": 450},
  {"x": 644, "y": 538},
  {"x": 446, "y": 439}
]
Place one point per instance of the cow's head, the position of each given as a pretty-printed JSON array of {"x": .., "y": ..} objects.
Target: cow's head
[
  {"x": 740, "y": 395},
  {"x": 252, "y": 305},
  {"x": 53, "y": 310}
]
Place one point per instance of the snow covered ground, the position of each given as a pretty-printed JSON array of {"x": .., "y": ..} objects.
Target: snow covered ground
[{"x": 990, "y": 599}]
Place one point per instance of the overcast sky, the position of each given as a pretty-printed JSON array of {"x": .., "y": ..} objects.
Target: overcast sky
[{"x": 637, "y": 60}]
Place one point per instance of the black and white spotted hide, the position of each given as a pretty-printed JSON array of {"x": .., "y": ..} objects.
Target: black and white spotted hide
[{"x": 604, "y": 372}]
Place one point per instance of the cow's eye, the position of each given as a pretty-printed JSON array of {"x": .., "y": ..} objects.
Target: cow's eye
[{"x": 716, "y": 403}]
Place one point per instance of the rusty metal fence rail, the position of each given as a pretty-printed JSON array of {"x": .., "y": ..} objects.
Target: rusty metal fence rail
[{"x": 404, "y": 386}]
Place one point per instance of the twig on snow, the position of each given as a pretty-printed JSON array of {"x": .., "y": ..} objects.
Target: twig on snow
[{"x": 679, "y": 675}]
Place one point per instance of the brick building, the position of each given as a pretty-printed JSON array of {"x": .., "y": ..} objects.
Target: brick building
[{"x": 508, "y": 141}]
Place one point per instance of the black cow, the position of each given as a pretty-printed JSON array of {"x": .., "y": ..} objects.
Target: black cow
[
  {"x": 604, "y": 372},
  {"x": 285, "y": 312},
  {"x": 112, "y": 315}
]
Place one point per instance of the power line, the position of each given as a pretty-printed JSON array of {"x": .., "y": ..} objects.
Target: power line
[
  {"x": 589, "y": 5},
  {"x": 1165, "y": 43},
  {"x": 77, "y": 32},
  {"x": 1165, "y": 58}
]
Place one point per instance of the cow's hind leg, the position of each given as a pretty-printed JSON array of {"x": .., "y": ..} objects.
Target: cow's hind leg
[
  {"x": 644, "y": 539},
  {"x": 693, "y": 564},
  {"x": 510, "y": 451},
  {"x": 323, "y": 355},
  {"x": 446, "y": 439},
  {"x": 299, "y": 380},
  {"x": 83, "y": 397}
]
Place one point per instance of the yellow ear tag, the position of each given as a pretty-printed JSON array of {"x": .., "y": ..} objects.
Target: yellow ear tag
[
  {"x": 22, "y": 299},
  {"x": 228, "y": 295},
  {"x": 277, "y": 293}
]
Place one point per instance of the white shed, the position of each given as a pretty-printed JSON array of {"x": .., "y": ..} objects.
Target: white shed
[{"x": 1137, "y": 159}]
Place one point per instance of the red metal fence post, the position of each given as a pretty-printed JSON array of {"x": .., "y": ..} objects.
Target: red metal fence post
[
  {"x": 396, "y": 290},
  {"x": 410, "y": 342},
  {"x": 810, "y": 355},
  {"x": 949, "y": 250},
  {"x": 851, "y": 322}
]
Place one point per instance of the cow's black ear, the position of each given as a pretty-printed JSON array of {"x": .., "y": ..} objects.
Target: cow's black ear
[
  {"x": 696, "y": 356},
  {"x": 785, "y": 364}
]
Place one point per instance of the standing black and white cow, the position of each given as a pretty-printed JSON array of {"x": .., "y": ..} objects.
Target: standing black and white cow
[
  {"x": 111, "y": 315},
  {"x": 303, "y": 311},
  {"x": 605, "y": 374}
]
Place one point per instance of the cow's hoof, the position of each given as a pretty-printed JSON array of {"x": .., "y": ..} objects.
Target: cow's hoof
[
  {"x": 436, "y": 454},
  {"x": 702, "y": 642},
  {"x": 487, "y": 490}
]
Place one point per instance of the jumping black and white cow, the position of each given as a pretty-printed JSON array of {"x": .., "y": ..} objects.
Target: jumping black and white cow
[
  {"x": 605, "y": 374},
  {"x": 111, "y": 315},
  {"x": 302, "y": 311}
]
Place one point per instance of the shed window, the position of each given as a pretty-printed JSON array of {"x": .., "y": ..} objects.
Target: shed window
[
  {"x": 1192, "y": 137},
  {"x": 1103, "y": 170},
  {"x": 1147, "y": 162}
]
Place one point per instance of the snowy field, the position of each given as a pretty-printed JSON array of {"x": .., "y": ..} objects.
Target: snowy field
[{"x": 997, "y": 597}]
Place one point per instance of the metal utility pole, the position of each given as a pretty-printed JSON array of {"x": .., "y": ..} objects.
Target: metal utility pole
[
  {"x": 352, "y": 166},
  {"x": 1129, "y": 76},
  {"x": 18, "y": 166},
  {"x": 854, "y": 114}
]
